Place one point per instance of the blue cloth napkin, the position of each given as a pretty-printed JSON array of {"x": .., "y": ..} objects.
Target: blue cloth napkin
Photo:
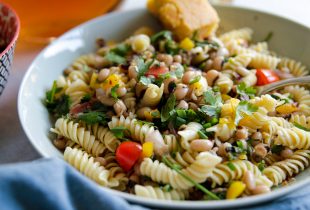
[{"x": 52, "y": 184}]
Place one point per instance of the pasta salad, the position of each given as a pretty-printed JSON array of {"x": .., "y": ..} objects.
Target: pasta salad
[{"x": 179, "y": 120}]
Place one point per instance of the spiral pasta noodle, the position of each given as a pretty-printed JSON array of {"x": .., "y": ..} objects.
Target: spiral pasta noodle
[
  {"x": 294, "y": 138},
  {"x": 80, "y": 135},
  {"x": 158, "y": 193},
  {"x": 279, "y": 171},
  {"x": 198, "y": 171}
]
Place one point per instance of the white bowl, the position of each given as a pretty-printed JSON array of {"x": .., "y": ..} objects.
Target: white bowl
[{"x": 289, "y": 39}]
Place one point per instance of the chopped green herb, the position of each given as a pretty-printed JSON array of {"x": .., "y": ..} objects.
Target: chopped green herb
[
  {"x": 261, "y": 165},
  {"x": 210, "y": 110},
  {"x": 93, "y": 117},
  {"x": 213, "y": 97},
  {"x": 119, "y": 132},
  {"x": 161, "y": 35},
  {"x": 142, "y": 67},
  {"x": 181, "y": 113},
  {"x": 231, "y": 166},
  {"x": 50, "y": 95},
  {"x": 277, "y": 149},
  {"x": 113, "y": 92},
  {"x": 99, "y": 107},
  {"x": 171, "y": 47},
  {"x": 214, "y": 120},
  {"x": 121, "y": 49},
  {"x": 202, "y": 135},
  {"x": 179, "y": 71},
  {"x": 115, "y": 58},
  {"x": 245, "y": 92},
  {"x": 195, "y": 79},
  {"x": 146, "y": 80},
  {"x": 86, "y": 98},
  {"x": 179, "y": 121},
  {"x": 240, "y": 145},
  {"x": 301, "y": 127},
  {"x": 60, "y": 106},
  {"x": 167, "y": 108},
  {"x": 167, "y": 188},
  {"x": 207, "y": 125},
  {"x": 244, "y": 108},
  {"x": 197, "y": 185}
]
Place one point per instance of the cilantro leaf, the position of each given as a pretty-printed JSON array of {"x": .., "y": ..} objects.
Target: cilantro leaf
[
  {"x": 121, "y": 49},
  {"x": 195, "y": 79},
  {"x": 161, "y": 35},
  {"x": 245, "y": 92},
  {"x": 244, "y": 108},
  {"x": 57, "y": 107},
  {"x": 113, "y": 92},
  {"x": 301, "y": 127},
  {"x": 146, "y": 80},
  {"x": 209, "y": 110},
  {"x": 142, "y": 67},
  {"x": 93, "y": 117},
  {"x": 119, "y": 132},
  {"x": 213, "y": 98},
  {"x": 115, "y": 58},
  {"x": 168, "y": 108},
  {"x": 179, "y": 71}
]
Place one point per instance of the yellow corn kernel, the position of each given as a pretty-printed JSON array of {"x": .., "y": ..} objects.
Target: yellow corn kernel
[
  {"x": 225, "y": 97},
  {"x": 242, "y": 157},
  {"x": 148, "y": 116},
  {"x": 93, "y": 81},
  {"x": 286, "y": 109},
  {"x": 110, "y": 82},
  {"x": 147, "y": 149},
  {"x": 235, "y": 189},
  {"x": 187, "y": 44}
]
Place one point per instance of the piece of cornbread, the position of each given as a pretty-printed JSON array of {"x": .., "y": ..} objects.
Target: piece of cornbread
[{"x": 184, "y": 17}]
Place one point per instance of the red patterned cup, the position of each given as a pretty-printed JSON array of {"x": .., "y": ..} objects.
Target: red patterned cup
[{"x": 9, "y": 30}]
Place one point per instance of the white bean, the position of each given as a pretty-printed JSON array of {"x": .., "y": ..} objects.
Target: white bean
[
  {"x": 286, "y": 153},
  {"x": 188, "y": 76},
  {"x": 133, "y": 72},
  {"x": 181, "y": 91},
  {"x": 201, "y": 145},
  {"x": 182, "y": 105},
  {"x": 141, "y": 112},
  {"x": 217, "y": 62},
  {"x": 211, "y": 76},
  {"x": 103, "y": 74},
  {"x": 167, "y": 82},
  {"x": 121, "y": 91},
  {"x": 260, "y": 189}
]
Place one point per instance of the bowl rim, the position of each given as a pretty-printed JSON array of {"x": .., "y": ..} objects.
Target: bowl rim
[
  {"x": 15, "y": 37},
  {"x": 240, "y": 202}
]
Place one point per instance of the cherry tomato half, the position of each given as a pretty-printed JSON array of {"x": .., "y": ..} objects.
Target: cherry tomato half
[
  {"x": 156, "y": 71},
  {"x": 127, "y": 154},
  {"x": 266, "y": 76}
]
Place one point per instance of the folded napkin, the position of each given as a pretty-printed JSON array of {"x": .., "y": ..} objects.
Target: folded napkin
[{"x": 52, "y": 184}]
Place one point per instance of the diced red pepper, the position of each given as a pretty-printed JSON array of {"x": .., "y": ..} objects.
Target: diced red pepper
[
  {"x": 266, "y": 76},
  {"x": 156, "y": 71}
]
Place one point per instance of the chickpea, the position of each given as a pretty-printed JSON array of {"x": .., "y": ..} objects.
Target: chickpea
[
  {"x": 141, "y": 112},
  {"x": 208, "y": 64},
  {"x": 201, "y": 145},
  {"x": 181, "y": 91},
  {"x": 286, "y": 153},
  {"x": 177, "y": 58},
  {"x": 188, "y": 76},
  {"x": 167, "y": 82},
  {"x": 121, "y": 91},
  {"x": 133, "y": 72},
  {"x": 211, "y": 76},
  {"x": 222, "y": 51},
  {"x": 249, "y": 180},
  {"x": 242, "y": 133},
  {"x": 60, "y": 143},
  {"x": 101, "y": 160},
  {"x": 166, "y": 58},
  {"x": 119, "y": 107},
  {"x": 260, "y": 150},
  {"x": 182, "y": 105},
  {"x": 217, "y": 62},
  {"x": 257, "y": 136},
  {"x": 260, "y": 189}
]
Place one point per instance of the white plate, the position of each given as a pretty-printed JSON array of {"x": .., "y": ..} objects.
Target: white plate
[{"x": 289, "y": 39}]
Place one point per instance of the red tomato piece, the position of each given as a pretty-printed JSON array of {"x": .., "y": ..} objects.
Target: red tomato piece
[
  {"x": 156, "y": 71},
  {"x": 127, "y": 154},
  {"x": 266, "y": 76}
]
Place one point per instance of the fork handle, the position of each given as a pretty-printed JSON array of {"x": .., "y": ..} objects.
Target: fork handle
[{"x": 276, "y": 85}]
